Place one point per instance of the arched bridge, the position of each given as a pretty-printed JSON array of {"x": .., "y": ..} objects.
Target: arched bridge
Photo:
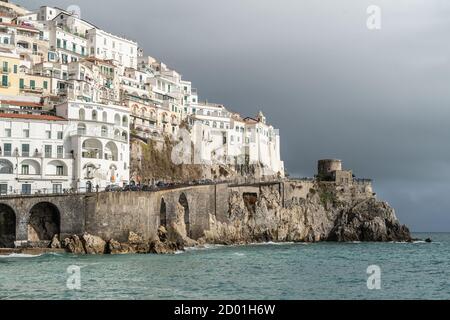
[{"x": 36, "y": 219}]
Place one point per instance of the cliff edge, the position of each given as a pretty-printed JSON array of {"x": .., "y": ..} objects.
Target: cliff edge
[{"x": 327, "y": 212}]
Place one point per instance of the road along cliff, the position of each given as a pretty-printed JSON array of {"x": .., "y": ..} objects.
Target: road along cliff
[{"x": 299, "y": 211}]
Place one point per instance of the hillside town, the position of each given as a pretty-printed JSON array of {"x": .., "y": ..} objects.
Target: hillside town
[{"x": 74, "y": 97}]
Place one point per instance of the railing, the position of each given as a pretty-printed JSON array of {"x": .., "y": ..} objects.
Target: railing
[
  {"x": 111, "y": 136},
  {"x": 49, "y": 192}
]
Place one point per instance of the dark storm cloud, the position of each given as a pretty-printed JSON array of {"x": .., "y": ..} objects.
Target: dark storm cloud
[{"x": 379, "y": 100}]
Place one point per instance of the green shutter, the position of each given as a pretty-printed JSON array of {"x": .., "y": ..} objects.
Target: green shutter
[
  {"x": 45, "y": 84},
  {"x": 21, "y": 83},
  {"x": 4, "y": 81}
]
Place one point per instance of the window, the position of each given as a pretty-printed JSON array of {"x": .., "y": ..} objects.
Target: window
[
  {"x": 48, "y": 134},
  {"x": 74, "y": 47},
  {"x": 60, "y": 135},
  {"x": 48, "y": 151},
  {"x": 58, "y": 43},
  {"x": 3, "y": 189},
  {"x": 81, "y": 114},
  {"x": 59, "y": 170},
  {"x": 45, "y": 85},
  {"x": 94, "y": 115},
  {"x": 8, "y": 133},
  {"x": 15, "y": 68},
  {"x": 65, "y": 44},
  {"x": 25, "y": 169},
  {"x": 32, "y": 84},
  {"x": 25, "y": 150},
  {"x": 57, "y": 188},
  {"x": 60, "y": 152},
  {"x": 5, "y": 66},
  {"x": 5, "y": 81},
  {"x": 26, "y": 133},
  {"x": 7, "y": 147},
  {"x": 22, "y": 83},
  {"x": 26, "y": 189}
]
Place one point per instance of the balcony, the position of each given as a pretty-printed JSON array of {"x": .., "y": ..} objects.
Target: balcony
[
  {"x": 32, "y": 89},
  {"x": 91, "y": 134}
]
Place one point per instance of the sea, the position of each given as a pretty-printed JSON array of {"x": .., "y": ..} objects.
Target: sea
[{"x": 287, "y": 271}]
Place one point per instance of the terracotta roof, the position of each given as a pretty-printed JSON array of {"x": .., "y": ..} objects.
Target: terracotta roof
[
  {"x": 20, "y": 103},
  {"x": 23, "y": 26},
  {"x": 31, "y": 116},
  {"x": 250, "y": 120}
]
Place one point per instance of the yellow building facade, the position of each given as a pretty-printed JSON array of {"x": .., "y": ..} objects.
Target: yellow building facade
[{"x": 9, "y": 67}]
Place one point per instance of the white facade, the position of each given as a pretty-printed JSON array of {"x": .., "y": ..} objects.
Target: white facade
[
  {"x": 106, "y": 46},
  {"x": 35, "y": 154},
  {"x": 99, "y": 136},
  {"x": 221, "y": 137}
]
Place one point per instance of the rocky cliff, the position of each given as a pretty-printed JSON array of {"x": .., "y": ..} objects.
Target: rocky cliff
[
  {"x": 328, "y": 213},
  {"x": 320, "y": 211}
]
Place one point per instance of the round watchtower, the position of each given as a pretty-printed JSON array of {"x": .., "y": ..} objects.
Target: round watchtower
[{"x": 328, "y": 166}]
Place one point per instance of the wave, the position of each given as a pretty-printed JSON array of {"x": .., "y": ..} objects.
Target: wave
[{"x": 20, "y": 255}]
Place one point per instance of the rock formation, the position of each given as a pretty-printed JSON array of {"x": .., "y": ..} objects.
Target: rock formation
[{"x": 327, "y": 214}]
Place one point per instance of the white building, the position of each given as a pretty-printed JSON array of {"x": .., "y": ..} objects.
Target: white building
[
  {"x": 222, "y": 137},
  {"x": 106, "y": 46},
  {"x": 34, "y": 154},
  {"x": 99, "y": 138}
]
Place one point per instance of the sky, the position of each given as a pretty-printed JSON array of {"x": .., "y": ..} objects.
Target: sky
[{"x": 377, "y": 99}]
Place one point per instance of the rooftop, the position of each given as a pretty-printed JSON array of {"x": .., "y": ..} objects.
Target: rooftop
[{"x": 31, "y": 116}]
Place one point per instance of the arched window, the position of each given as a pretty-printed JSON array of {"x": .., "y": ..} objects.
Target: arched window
[
  {"x": 6, "y": 167},
  {"x": 124, "y": 136},
  {"x": 117, "y": 134},
  {"x": 117, "y": 120},
  {"x": 105, "y": 116},
  {"x": 81, "y": 129},
  {"x": 92, "y": 149},
  {"x": 81, "y": 114},
  {"x": 104, "y": 131},
  {"x": 111, "y": 151},
  {"x": 125, "y": 121},
  {"x": 94, "y": 115}
]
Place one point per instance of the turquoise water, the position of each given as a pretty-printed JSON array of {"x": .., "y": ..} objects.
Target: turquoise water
[{"x": 271, "y": 271}]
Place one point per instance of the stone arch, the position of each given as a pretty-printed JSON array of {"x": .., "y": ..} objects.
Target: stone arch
[
  {"x": 163, "y": 213},
  {"x": 7, "y": 226},
  {"x": 44, "y": 222},
  {"x": 184, "y": 203}
]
